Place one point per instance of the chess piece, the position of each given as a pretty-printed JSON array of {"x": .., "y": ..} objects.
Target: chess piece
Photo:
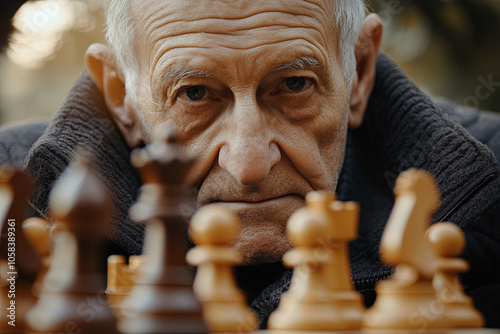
[
  {"x": 448, "y": 242},
  {"x": 408, "y": 301},
  {"x": 37, "y": 231},
  {"x": 162, "y": 299},
  {"x": 321, "y": 295},
  {"x": 214, "y": 229},
  {"x": 71, "y": 294},
  {"x": 18, "y": 261},
  {"x": 121, "y": 278}
]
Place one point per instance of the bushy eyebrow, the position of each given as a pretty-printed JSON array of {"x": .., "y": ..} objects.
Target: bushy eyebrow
[
  {"x": 299, "y": 64},
  {"x": 178, "y": 72}
]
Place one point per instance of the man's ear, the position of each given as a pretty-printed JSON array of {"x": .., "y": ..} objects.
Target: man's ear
[
  {"x": 106, "y": 74},
  {"x": 366, "y": 57}
]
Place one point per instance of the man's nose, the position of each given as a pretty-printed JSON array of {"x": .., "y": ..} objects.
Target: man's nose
[{"x": 250, "y": 152}]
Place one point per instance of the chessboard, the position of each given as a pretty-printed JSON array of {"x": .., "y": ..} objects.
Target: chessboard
[{"x": 157, "y": 293}]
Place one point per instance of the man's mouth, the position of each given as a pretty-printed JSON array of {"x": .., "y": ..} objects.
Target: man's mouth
[{"x": 254, "y": 203}]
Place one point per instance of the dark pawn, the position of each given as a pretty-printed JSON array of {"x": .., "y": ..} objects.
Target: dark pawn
[{"x": 72, "y": 298}]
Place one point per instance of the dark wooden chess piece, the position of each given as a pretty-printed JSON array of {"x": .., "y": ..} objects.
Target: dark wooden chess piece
[
  {"x": 72, "y": 293},
  {"x": 162, "y": 299}
]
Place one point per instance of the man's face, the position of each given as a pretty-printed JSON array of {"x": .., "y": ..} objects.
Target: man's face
[{"x": 257, "y": 92}]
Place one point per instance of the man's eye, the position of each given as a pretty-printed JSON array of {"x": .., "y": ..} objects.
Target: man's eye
[
  {"x": 195, "y": 93},
  {"x": 295, "y": 84}
]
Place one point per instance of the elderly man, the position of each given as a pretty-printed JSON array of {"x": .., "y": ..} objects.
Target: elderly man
[{"x": 276, "y": 99}]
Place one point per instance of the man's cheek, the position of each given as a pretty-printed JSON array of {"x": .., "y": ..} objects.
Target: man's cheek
[
  {"x": 204, "y": 148},
  {"x": 333, "y": 158},
  {"x": 331, "y": 125},
  {"x": 332, "y": 151},
  {"x": 320, "y": 155},
  {"x": 198, "y": 171}
]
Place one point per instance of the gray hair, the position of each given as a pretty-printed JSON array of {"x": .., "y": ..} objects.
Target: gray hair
[{"x": 349, "y": 16}]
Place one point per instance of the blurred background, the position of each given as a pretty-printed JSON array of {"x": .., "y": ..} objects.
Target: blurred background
[{"x": 451, "y": 48}]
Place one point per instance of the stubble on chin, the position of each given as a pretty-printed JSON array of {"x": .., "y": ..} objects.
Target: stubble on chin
[{"x": 262, "y": 238}]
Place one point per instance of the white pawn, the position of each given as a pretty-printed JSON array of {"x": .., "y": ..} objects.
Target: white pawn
[
  {"x": 448, "y": 241},
  {"x": 214, "y": 230}
]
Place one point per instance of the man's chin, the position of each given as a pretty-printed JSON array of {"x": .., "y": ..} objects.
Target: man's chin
[{"x": 262, "y": 246}]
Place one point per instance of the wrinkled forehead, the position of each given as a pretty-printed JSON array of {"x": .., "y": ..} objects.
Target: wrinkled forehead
[
  {"x": 193, "y": 10},
  {"x": 232, "y": 24}
]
